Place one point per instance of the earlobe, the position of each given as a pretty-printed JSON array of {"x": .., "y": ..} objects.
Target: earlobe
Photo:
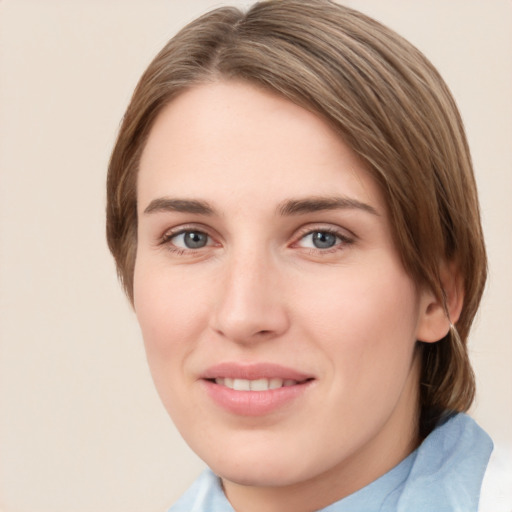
[{"x": 437, "y": 315}]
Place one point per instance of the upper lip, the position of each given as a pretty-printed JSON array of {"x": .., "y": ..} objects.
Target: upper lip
[{"x": 253, "y": 371}]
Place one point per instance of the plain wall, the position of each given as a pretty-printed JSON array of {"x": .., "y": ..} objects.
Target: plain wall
[{"x": 81, "y": 427}]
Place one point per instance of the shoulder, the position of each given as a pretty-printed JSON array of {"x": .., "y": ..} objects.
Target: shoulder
[
  {"x": 204, "y": 495},
  {"x": 458, "y": 444},
  {"x": 448, "y": 468},
  {"x": 496, "y": 494}
]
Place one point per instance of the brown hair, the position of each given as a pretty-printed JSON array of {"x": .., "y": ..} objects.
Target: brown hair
[{"x": 388, "y": 103}]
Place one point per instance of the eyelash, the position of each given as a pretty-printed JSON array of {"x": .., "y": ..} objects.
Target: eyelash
[{"x": 342, "y": 240}]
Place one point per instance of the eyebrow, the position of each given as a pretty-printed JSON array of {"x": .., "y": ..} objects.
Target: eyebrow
[
  {"x": 287, "y": 208},
  {"x": 315, "y": 204},
  {"x": 165, "y": 204}
]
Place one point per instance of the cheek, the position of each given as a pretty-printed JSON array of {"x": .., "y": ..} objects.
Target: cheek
[
  {"x": 366, "y": 321},
  {"x": 170, "y": 313}
]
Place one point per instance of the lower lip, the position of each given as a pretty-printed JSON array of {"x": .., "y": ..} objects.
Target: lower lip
[{"x": 254, "y": 403}]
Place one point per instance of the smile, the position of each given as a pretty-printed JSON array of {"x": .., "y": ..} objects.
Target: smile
[
  {"x": 255, "y": 385},
  {"x": 256, "y": 389}
]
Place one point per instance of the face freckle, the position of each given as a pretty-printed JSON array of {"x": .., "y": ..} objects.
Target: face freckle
[{"x": 288, "y": 321}]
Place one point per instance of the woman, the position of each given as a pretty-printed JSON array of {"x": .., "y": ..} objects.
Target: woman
[{"x": 293, "y": 214}]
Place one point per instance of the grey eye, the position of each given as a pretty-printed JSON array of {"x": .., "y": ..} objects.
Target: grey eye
[
  {"x": 320, "y": 240},
  {"x": 323, "y": 239},
  {"x": 190, "y": 240}
]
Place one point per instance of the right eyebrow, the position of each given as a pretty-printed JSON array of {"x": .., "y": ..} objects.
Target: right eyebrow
[
  {"x": 167, "y": 204},
  {"x": 315, "y": 204}
]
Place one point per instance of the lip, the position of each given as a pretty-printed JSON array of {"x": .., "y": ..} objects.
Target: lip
[
  {"x": 254, "y": 403},
  {"x": 253, "y": 371}
]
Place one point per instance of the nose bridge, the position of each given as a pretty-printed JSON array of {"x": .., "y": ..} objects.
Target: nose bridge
[{"x": 250, "y": 305}]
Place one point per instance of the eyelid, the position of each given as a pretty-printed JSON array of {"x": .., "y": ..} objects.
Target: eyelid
[
  {"x": 188, "y": 226},
  {"x": 307, "y": 229}
]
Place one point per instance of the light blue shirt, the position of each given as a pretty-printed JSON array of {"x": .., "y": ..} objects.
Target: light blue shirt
[{"x": 443, "y": 475}]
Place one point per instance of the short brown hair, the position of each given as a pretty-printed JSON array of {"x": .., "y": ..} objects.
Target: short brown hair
[{"x": 387, "y": 102}]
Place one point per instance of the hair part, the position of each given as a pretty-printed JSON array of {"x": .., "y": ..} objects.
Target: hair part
[{"x": 387, "y": 102}]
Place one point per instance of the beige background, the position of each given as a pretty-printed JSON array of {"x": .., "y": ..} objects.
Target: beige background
[{"x": 81, "y": 428}]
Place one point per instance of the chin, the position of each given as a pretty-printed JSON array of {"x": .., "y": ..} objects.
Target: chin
[
  {"x": 262, "y": 474},
  {"x": 261, "y": 464}
]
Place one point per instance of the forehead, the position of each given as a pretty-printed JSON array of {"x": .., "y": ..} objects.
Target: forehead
[{"x": 234, "y": 139}]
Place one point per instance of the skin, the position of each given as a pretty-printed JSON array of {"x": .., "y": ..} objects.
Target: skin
[{"x": 260, "y": 290}]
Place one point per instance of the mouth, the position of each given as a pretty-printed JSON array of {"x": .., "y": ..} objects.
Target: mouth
[
  {"x": 262, "y": 384},
  {"x": 254, "y": 389}
]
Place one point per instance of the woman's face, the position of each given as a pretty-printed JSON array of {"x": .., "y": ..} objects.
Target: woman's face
[{"x": 279, "y": 323}]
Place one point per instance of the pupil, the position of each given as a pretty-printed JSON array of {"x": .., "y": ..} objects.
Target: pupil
[
  {"x": 323, "y": 240},
  {"x": 194, "y": 240}
]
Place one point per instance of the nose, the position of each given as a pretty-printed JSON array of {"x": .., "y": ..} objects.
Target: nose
[{"x": 251, "y": 304}]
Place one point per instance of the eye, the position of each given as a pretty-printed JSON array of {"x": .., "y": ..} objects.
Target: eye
[
  {"x": 323, "y": 239},
  {"x": 320, "y": 240},
  {"x": 189, "y": 239}
]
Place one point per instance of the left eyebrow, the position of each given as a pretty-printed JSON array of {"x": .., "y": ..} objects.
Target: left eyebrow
[
  {"x": 315, "y": 204},
  {"x": 166, "y": 204}
]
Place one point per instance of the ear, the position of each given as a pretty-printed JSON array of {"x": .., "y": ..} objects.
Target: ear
[{"x": 436, "y": 315}]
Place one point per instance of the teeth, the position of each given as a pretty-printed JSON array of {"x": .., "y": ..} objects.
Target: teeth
[
  {"x": 275, "y": 383},
  {"x": 259, "y": 385},
  {"x": 241, "y": 385},
  {"x": 254, "y": 385}
]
